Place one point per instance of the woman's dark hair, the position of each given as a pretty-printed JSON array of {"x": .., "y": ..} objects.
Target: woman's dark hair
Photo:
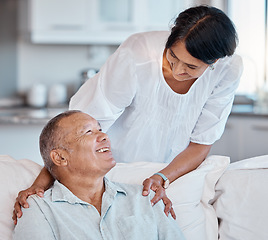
[{"x": 207, "y": 32}]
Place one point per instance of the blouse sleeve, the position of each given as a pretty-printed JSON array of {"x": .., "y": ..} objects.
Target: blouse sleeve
[
  {"x": 108, "y": 93},
  {"x": 214, "y": 115}
]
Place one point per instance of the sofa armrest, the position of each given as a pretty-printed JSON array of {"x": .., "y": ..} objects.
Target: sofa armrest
[{"x": 241, "y": 200}]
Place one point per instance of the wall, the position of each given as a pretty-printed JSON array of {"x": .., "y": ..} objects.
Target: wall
[
  {"x": 8, "y": 47},
  {"x": 49, "y": 64},
  {"x": 21, "y": 141}
]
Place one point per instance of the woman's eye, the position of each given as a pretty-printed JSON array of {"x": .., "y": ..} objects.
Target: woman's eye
[
  {"x": 191, "y": 67},
  {"x": 89, "y": 131},
  {"x": 172, "y": 55},
  {"x": 100, "y": 130}
]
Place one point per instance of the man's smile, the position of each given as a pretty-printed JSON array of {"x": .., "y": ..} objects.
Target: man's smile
[{"x": 105, "y": 149}]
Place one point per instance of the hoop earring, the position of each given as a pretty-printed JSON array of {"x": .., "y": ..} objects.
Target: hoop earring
[{"x": 211, "y": 67}]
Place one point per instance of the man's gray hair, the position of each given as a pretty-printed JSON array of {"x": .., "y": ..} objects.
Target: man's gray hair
[{"x": 52, "y": 138}]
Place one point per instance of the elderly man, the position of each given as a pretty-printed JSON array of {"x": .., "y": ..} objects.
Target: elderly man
[{"x": 83, "y": 203}]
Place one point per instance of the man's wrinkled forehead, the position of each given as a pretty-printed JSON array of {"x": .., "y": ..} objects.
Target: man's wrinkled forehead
[{"x": 78, "y": 123}]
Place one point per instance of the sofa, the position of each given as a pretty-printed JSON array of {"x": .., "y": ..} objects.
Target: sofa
[{"x": 218, "y": 200}]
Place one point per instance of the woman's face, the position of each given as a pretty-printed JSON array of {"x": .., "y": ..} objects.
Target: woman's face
[{"x": 182, "y": 64}]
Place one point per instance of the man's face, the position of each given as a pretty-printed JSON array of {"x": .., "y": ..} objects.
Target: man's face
[{"x": 89, "y": 149}]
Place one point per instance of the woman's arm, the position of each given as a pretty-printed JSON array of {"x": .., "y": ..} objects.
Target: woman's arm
[
  {"x": 185, "y": 162},
  {"x": 43, "y": 181}
]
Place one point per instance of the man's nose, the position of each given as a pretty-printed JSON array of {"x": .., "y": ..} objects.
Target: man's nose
[{"x": 102, "y": 137}]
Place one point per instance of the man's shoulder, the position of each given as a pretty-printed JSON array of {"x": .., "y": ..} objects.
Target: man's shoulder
[
  {"x": 36, "y": 204},
  {"x": 35, "y": 200}
]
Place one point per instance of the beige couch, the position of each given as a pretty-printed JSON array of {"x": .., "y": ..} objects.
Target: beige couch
[{"x": 218, "y": 200}]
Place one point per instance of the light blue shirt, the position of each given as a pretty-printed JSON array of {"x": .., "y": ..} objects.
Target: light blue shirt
[{"x": 125, "y": 214}]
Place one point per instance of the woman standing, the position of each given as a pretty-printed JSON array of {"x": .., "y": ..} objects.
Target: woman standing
[{"x": 166, "y": 96}]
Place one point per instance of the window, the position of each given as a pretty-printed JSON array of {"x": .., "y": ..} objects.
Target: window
[{"x": 249, "y": 19}]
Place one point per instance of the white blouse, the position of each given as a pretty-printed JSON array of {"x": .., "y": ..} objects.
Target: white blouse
[{"x": 144, "y": 118}]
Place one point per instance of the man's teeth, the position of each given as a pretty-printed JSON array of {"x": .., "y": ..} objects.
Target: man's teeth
[{"x": 103, "y": 150}]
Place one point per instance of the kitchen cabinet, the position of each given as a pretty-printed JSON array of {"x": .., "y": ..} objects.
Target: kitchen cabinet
[
  {"x": 93, "y": 21},
  {"x": 244, "y": 137}
]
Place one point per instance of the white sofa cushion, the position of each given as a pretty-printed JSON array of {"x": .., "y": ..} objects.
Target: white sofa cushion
[
  {"x": 242, "y": 200},
  {"x": 15, "y": 175},
  {"x": 190, "y": 194}
]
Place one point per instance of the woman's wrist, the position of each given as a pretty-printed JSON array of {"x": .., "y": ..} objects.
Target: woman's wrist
[
  {"x": 164, "y": 180},
  {"x": 158, "y": 179},
  {"x": 44, "y": 180}
]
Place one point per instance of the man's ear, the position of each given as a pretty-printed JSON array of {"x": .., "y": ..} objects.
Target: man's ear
[{"x": 59, "y": 157}]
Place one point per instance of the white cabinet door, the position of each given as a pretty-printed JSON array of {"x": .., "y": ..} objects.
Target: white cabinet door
[
  {"x": 244, "y": 137},
  {"x": 94, "y": 21},
  {"x": 58, "y": 15},
  {"x": 157, "y": 14},
  {"x": 58, "y": 21}
]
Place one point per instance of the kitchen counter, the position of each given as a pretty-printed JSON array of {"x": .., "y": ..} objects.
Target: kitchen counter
[
  {"x": 248, "y": 110},
  {"x": 27, "y": 115}
]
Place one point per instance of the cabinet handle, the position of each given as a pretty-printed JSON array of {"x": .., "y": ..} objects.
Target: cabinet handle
[
  {"x": 260, "y": 128},
  {"x": 66, "y": 27}
]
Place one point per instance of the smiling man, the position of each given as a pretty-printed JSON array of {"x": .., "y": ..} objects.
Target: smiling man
[{"x": 83, "y": 203}]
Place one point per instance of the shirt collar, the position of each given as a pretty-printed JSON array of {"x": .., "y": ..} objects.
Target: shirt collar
[
  {"x": 113, "y": 187},
  {"x": 60, "y": 193}
]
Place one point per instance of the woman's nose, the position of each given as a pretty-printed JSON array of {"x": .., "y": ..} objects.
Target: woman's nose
[{"x": 179, "y": 68}]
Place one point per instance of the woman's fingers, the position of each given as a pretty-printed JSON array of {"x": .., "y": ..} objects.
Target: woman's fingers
[
  {"x": 16, "y": 212},
  {"x": 168, "y": 207},
  {"x": 172, "y": 212},
  {"x": 21, "y": 201},
  {"x": 22, "y": 198},
  {"x": 160, "y": 193},
  {"x": 40, "y": 192},
  {"x": 147, "y": 183}
]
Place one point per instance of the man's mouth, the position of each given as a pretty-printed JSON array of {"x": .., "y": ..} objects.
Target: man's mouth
[{"x": 101, "y": 150}]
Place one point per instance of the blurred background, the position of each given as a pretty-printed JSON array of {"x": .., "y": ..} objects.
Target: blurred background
[{"x": 48, "y": 48}]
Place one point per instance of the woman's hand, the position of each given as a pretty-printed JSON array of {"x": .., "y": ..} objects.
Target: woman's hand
[
  {"x": 21, "y": 200},
  {"x": 155, "y": 183}
]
